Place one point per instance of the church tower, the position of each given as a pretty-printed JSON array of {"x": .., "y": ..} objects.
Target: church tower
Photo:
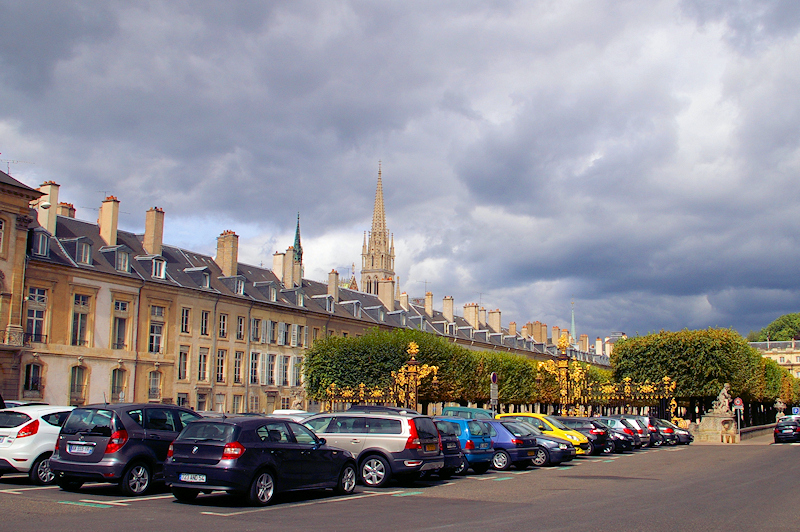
[{"x": 377, "y": 252}]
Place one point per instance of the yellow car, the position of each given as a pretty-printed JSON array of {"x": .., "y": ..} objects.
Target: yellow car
[{"x": 552, "y": 427}]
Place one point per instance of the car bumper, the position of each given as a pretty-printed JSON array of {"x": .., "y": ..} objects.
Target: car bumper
[
  {"x": 224, "y": 479},
  {"x": 7, "y": 466},
  {"x": 562, "y": 455},
  {"x": 102, "y": 471},
  {"x": 518, "y": 454},
  {"x": 795, "y": 436},
  {"x": 476, "y": 457},
  {"x": 623, "y": 445}
]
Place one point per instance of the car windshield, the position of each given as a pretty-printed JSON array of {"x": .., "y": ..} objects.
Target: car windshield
[
  {"x": 207, "y": 432},
  {"x": 89, "y": 421},
  {"x": 556, "y": 423},
  {"x": 9, "y": 419}
]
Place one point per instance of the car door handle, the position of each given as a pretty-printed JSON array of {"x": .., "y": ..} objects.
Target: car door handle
[
  {"x": 278, "y": 453},
  {"x": 355, "y": 440},
  {"x": 155, "y": 437}
]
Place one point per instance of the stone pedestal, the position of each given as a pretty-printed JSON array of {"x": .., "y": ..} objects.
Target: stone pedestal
[{"x": 717, "y": 428}]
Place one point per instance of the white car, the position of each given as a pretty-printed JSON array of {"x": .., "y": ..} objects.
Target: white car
[{"x": 28, "y": 436}]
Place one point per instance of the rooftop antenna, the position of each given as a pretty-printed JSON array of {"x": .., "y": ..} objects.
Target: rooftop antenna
[{"x": 9, "y": 162}]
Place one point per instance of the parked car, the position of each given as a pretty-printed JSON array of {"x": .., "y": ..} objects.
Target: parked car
[
  {"x": 514, "y": 443},
  {"x": 451, "y": 449},
  {"x": 619, "y": 441},
  {"x": 124, "y": 443},
  {"x": 28, "y": 435},
  {"x": 787, "y": 429},
  {"x": 384, "y": 445},
  {"x": 468, "y": 413},
  {"x": 476, "y": 444},
  {"x": 684, "y": 436},
  {"x": 646, "y": 430},
  {"x": 668, "y": 434},
  {"x": 552, "y": 427},
  {"x": 256, "y": 458},
  {"x": 380, "y": 409},
  {"x": 13, "y": 403},
  {"x": 597, "y": 436},
  {"x": 631, "y": 429},
  {"x": 295, "y": 415}
]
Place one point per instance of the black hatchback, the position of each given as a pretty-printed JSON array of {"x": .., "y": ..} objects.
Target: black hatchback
[
  {"x": 123, "y": 443},
  {"x": 787, "y": 429},
  {"x": 254, "y": 458},
  {"x": 598, "y": 436}
]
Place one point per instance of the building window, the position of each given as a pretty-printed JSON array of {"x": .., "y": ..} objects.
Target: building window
[
  {"x": 301, "y": 302},
  {"x": 37, "y": 304},
  {"x": 285, "y": 402},
  {"x": 84, "y": 253},
  {"x": 77, "y": 384},
  {"x": 297, "y": 373},
  {"x": 271, "y": 370},
  {"x": 159, "y": 271},
  {"x": 283, "y": 370},
  {"x": 295, "y": 335},
  {"x": 240, "y": 287},
  {"x": 238, "y": 357},
  {"x": 185, "y": 316},
  {"x": 782, "y": 360},
  {"x": 255, "y": 330},
  {"x": 223, "y": 325},
  {"x": 273, "y": 332},
  {"x": 204, "y": 317},
  {"x": 120, "y": 331},
  {"x": 220, "y": 373},
  {"x": 237, "y": 404},
  {"x": 206, "y": 281},
  {"x": 183, "y": 362},
  {"x": 202, "y": 364},
  {"x": 219, "y": 402},
  {"x": 33, "y": 378},
  {"x": 41, "y": 244},
  {"x": 254, "y": 403},
  {"x": 156, "y": 329},
  {"x": 182, "y": 400},
  {"x": 253, "y": 368},
  {"x": 240, "y": 328},
  {"x": 273, "y": 293},
  {"x": 2, "y": 234},
  {"x": 117, "y": 384},
  {"x": 123, "y": 261},
  {"x": 154, "y": 385},
  {"x": 80, "y": 319},
  {"x": 201, "y": 402},
  {"x": 302, "y": 336}
]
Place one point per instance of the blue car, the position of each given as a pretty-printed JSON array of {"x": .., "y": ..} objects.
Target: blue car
[
  {"x": 476, "y": 444},
  {"x": 514, "y": 443},
  {"x": 549, "y": 450}
]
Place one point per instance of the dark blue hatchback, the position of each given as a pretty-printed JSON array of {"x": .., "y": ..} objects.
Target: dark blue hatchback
[
  {"x": 254, "y": 457},
  {"x": 514, "y": 443}
]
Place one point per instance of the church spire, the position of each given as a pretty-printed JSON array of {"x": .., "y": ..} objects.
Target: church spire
[
  {"x": 377, "y": 255},
  {"x": 379, "y": 213},
  {"x": 298, "y": 249}
]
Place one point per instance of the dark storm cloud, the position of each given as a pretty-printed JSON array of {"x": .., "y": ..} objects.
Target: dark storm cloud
[{"x": 639, "y": 158}]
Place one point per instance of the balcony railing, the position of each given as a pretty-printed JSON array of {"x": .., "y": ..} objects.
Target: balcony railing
[
  {"x": 118, "y": 345},
  {"x": 14, "y": 338},
  {"x": 154, "y": 393},
  {"x": 35, "y": 338}
]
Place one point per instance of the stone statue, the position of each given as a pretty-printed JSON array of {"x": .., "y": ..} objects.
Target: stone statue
[
  {"x": 722, "y": 405},
  {"x": 297, "y": 404}
]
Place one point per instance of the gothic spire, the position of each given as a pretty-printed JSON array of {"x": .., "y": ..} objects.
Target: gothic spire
[
  {"x": 298, "y": 249},
  {"x": 379, "y": 214}
]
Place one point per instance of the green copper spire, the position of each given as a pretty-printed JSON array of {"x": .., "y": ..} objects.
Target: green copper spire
[{"x": 298, "y": 249}]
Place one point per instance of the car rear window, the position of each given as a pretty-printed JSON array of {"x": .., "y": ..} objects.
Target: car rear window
[
  {"x": 384, "y": 426},
  {"x": 476, "y": 428},
  {"x": 449, "y": 428},
  {"x": 519, "y": 429},
  {"x": 56, "y": 419},
  {"x": 425, "y": 428},
  {"x": 12, "y": 419},
  {"x": 89, "y": 421},
  {"x": 208, "y": 432}
]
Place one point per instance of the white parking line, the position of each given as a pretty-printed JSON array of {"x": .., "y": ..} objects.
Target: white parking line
[
  {"x": 18, "y": 491},
  {"x": 309, "y": 503}
]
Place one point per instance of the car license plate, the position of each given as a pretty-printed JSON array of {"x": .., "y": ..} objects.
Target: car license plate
[
  {"x": 191, "y": 477},
  {"x": 449, "y": 445},
  {"x": 531, "y": 453},
  {"x": 484, "y": 446},
  {"x": 784, "y": 430},
  {"x": 73, "y": 448},
  {"x": 430, "y": 446}
]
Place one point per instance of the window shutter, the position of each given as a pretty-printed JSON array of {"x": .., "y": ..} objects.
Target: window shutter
[
  {"x": 264, "y": 333},
  {"x": 294, "y": 335},
  {"x": 263, "y": 368},
  {"x": 305, "y": 336},
  {"x": 268, "y": 334},
  {"x": 281, "y": 333}
]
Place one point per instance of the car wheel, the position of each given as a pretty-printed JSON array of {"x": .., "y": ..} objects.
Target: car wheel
[
  {"x": 347, "y": 480},
  {"x": 501, "y": 461},
  {"x": 375, "y": 472},
  {"x": 591, "y": 449},
  {"x": 609, "y": 448},
  {"x": 462, "y": 467},
  {"x": 262, "y": 490},
  {"x": 69, "y": 483},
  {"x": 542, "y": 457},
  {"x": 185, "y": 494},
  {"x": 40, "y": 472},
  {"x": 481, "y": 468},
  {"x": 522, "y": 464},
  {"x": 136, "y": 479}
]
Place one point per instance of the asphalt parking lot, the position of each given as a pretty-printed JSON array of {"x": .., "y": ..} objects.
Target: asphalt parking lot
[{"x": 699, "y": 487}]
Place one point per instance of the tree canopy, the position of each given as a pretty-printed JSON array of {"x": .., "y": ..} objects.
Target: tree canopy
[{"x": 783, "y": 329}]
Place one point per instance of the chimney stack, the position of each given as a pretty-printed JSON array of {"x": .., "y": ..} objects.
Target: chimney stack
[
  {"x": 471, "y": 315},
  {"x": 277, "y": 265},
  {"x": 47, "y": 216},
  {"x": 598, "y": 346},
  {"x": 429, "y": 304},
  {"x": 404, "y": 301},
  {"x": 583, "y": 343},
  {"x": 494, "y": 321},
  {"x": 66, "y": 210},
  {"x": 482, "y": 318},
  {"x": 512, "y": 328},
  {"x": 447, "y": 309},
  {"x": 525, "y": 332},
  {"x": 228, "y": 253},
  {"x": 108, "y": 220},
  {"x": 333, "y": 285},
  {"x": 386, "y": 293},
  {"x": 289, "y": 277},
  {"x": 555, "y": 335},
  {"x": 153, "y": 231}
]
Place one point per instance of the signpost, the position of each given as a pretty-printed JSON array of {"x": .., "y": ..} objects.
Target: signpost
[
  {"x": 796, "y": 410},
  {"x": 493, "y": 393},
  {"x": 738, "y": 407}
]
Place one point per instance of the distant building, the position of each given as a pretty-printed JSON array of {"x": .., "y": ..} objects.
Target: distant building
[{"x": 786, "y": 354}]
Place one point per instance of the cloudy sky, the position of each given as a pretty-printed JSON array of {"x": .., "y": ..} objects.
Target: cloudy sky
[{"x": 639, "y": 158}]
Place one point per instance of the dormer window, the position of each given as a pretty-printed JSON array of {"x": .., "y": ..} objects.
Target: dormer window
[
  {"x": 206, "y": 281},
  {"x": 41, "y": 244},
  {"x": 329, "y": 304},
  {"x": 273, "y": 293},
  {"x": 300, "y": 299},
  {"x": 240, "y": 287},
  {"x": 158, "y": 269},
  {"x": 84, "y": 253},
  {"x": 123, "y": 261}
]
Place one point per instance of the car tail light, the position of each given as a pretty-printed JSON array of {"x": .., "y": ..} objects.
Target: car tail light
[
  {"x": 651, "y": 428},
  {"x": 640, "y": 431},
  {"x": 628, "y": 431},
  {"x": 171, "y": 450},
  {"x": 232, "y": 451},
  {"x": 469, "y": 445},
  {"x": 29, "y": 430},
  {"x": 797, "y": 429},
  {"x": 118, "y": 439},
  {"x": 517, "y": 441},
  {"x": 597, "y": 431},
  {"x": 439, "y": 434},
  {"x": 413, "y": 438},
  {"x": 669, "y": 430}
]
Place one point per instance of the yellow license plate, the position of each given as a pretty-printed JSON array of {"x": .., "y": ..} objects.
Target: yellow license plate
[
  {"x": 531, "y": 453},
  {"x": 430, "y": 446}
]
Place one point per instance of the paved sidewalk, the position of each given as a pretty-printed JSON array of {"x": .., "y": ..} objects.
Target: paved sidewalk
[{"x": 763, "y": 439}]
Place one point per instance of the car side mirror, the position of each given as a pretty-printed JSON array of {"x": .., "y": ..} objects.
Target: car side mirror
[{"x": 322, "y": 441}]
